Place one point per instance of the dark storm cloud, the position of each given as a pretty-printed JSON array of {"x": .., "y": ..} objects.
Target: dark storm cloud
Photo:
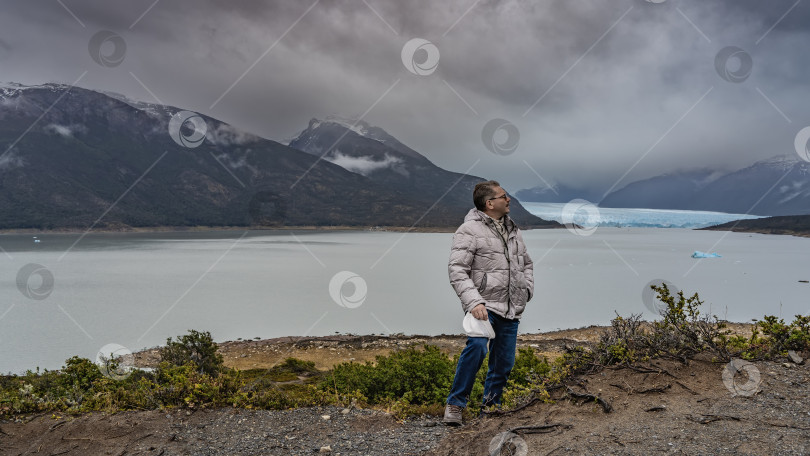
[{"x": 609, "y": 82}]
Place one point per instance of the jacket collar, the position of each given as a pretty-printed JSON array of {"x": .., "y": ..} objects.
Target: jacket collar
[{"x": 475, "y": 214}]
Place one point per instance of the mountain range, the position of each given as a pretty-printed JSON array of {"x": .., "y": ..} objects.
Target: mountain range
[
  {"x": 777, "y": 186},
  {"x": 73, "y": 158},
  {"x": 380, "y": 157}
]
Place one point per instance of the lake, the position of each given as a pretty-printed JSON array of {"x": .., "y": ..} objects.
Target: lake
[{"x": 137, "y": 289}]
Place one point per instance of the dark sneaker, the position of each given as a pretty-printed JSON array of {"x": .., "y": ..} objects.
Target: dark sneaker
[{"x": 452, "y": 415}]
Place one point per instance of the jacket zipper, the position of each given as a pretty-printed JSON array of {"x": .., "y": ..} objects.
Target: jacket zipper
[{"x": 508, "y": 263}]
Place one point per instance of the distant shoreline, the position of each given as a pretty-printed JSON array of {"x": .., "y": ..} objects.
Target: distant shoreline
[
  {"x": 794, "y": 225},
  {"x": 805, "y": 234},
  {"x": 204, "y": 229},
  {"x": 738, "y": 228}
]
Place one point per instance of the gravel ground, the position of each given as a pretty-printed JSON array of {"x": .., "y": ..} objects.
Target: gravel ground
[{"x": 304, "y": 431}]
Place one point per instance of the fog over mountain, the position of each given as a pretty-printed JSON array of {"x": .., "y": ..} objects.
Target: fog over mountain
[
  {"x": 777, "y": 186},
  {"x": 592, "y": 95}
]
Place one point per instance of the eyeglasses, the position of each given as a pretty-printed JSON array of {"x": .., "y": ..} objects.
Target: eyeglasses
[{"x": 504, "y": 196}]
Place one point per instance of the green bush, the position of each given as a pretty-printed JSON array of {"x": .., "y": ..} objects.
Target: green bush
[
  {"x": 528, "y": 366},
  {"x": 79, "y": 374},
  {"x": 195, "y": 347},
  {"x": 771, "y": 337},
  {"x": 412, "y": 375}
]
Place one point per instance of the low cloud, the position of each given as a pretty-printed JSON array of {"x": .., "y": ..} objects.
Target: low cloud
[
  {"x": 66, "y": 131},
  {"x": 227, "y": 135},
  {"x": 364, "y": 165}
]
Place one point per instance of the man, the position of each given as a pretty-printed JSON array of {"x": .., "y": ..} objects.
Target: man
[{"x": 493, "y": 277}]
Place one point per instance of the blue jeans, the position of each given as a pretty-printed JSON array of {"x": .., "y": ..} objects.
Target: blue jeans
[{"x": 501, "y": 361}]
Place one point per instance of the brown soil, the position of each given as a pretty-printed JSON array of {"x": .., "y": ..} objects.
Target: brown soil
[
  {"x": 674, "y": 409},
  {"x": 663, "y": 407}
]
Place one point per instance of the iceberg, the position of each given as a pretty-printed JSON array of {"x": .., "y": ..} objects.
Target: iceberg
[{"x": 699, "y": 254}]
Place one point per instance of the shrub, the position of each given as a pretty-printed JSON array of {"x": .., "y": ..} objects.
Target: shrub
[
  {"x": 624, "y": 343},
  {"x": 79, "y": 374},
  {"x": 528, "y": 366},
  {"x": 772, "y": 337},
  {"x": 195, "y": 347},
  {"x": 412, "y": 375},
  {"x": 683, "y": 331}
]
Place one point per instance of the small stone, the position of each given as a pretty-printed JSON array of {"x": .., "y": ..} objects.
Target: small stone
[
  {"x": 345, "y": 411},
  {"x": 788, "y": 365},
  {"x": 793, "y": 356},
  {"x": 325, "y": 449},
  {"x": 326, "y": 417}
]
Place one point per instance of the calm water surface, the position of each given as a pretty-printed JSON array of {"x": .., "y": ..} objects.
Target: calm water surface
[{"x": 138, "y": 289}]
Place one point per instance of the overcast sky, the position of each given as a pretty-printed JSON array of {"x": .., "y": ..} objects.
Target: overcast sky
[{"x": 601, "y": 93}]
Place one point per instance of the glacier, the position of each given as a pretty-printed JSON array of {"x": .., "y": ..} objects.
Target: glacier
[{"x": 640, "y": 217}]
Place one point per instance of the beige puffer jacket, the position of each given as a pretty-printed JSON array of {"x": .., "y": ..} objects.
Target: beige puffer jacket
[{"x": 485, "y": 271}]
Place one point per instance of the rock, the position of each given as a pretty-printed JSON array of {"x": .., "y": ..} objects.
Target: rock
[
  {"x": 326, "y": 417},
  {"x": 345, "y": 411},
  {"x": 325, "y": 449},
  {"x": 788, "y": 365},
  {"x": 793, "y": 356}
]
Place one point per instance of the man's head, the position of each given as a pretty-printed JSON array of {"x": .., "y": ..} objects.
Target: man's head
[{"x": 491, "y": 199}]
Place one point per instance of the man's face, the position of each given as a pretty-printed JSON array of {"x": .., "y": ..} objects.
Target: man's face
[{"x": 498, "y": 205}]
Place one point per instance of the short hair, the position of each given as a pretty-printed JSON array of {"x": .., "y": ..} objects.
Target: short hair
[{"x": 482, "y": 192}]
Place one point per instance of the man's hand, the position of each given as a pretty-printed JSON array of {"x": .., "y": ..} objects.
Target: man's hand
[{"x": 480, "y": 312}]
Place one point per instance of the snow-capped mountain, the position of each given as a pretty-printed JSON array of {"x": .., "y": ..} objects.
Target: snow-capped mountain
[
  {"x": 372, "y": 152},
  {"x": 668, "y": 191},
  {"x": 777, "y": 186},
  {"x": 69, "y": 155}
]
